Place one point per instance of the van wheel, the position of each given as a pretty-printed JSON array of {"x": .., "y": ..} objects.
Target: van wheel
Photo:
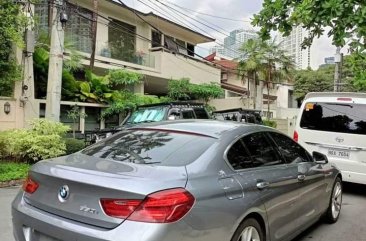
[
  {"x": 249, "y": 230},
  {"x": 335, "y": 202}
]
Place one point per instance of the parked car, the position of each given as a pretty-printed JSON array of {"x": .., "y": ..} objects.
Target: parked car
[
  {"x": 335, "y": 125},
  {"x": 154, "y": 113},
  {"x": 181, "y": 180},
  {"x": 239, "y": 115}
]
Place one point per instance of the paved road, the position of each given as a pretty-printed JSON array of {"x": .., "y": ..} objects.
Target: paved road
[{"x": 350, "y": 226}]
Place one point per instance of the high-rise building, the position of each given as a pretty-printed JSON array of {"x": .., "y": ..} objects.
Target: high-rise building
[
  {"x": 292, "y": 45},
  {"x": 233, "y": 43}
]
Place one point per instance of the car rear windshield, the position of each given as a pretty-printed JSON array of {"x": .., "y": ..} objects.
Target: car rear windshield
[
  {"x": 160, "y": 147},
  {"x": 334, "y": 117},
  {"x": 147, "y": 115}
]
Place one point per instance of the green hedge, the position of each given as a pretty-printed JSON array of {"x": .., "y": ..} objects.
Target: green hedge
[
  {"x": 270, "y": 123},
  {"x": 13, "y": 171},
  {"x": 42, "y": 141},
  {"x": 73, "y": 145}
]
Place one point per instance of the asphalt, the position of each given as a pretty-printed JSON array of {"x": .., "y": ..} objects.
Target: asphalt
[{"x": 350, "y": 226}]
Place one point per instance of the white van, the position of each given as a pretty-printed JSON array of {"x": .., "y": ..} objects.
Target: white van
[{"x": 335, "y": 125}]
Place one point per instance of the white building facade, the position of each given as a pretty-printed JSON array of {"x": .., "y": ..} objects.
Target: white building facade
[
  {"x": 292, "y": 44},
  {"x": 233, "y": 43}
]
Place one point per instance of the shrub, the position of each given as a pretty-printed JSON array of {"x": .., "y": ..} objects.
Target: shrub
[
  {"x": 73, "y": 145},
  {"x": 13, "y": 171},
  {"x": 42, "y": 141},
  {"x": 270, "y": 123}
]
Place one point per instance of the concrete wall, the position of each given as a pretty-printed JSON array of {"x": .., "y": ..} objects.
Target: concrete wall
[
  {"x": 286, "y": 126},
  {"x": 8, "y": 121},
  {"x": 231, "y": 103},
  {"x": 287, "y": 113},
  {"x": 174, "y": 66}
]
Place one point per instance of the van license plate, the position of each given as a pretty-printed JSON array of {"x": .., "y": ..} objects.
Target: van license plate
[{"x": 338, "y": 153}]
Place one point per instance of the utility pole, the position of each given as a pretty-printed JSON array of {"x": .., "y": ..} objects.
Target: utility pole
[
  {"x": 337, "y": 75},
  {"x": 94, "y": 33},
  {"x": 54, "y": 81}
]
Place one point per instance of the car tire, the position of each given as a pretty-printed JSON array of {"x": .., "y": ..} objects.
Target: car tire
[
  {"x": 335, "y": 202},
  {"x": 249, "y": 230}
]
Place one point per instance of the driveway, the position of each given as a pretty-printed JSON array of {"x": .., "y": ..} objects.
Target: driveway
[{"x": 350, "y": 226}]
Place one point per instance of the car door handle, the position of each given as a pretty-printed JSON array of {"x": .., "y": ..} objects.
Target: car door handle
[
  {"x": 262, "y": 185},
  {"x": 301, "y": 177}
]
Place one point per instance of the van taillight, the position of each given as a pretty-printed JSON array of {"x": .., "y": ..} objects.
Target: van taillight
[
  {"x": 296, "y": 136},
  {"x": 161, "y": 207},
  {"x": 30, "y": 186}
]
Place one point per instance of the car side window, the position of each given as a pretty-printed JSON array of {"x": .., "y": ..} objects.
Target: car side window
[
  {"x": 289, "y": 149},
  {"x": 238, "y": 156},
  {"x": 261, "y": 150}
]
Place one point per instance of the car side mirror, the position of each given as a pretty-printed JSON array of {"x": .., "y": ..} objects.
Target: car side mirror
[{"x": 320, "y": 158}]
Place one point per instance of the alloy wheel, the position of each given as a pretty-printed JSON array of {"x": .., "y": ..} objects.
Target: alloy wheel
[
  {"x": 250, "y": 233},
  {"x": 337, "y": 200}
]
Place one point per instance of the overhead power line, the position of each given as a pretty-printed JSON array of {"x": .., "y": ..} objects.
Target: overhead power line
[
  {"x": 183, "y": 22},
  {"x": 206, "y": 14}
]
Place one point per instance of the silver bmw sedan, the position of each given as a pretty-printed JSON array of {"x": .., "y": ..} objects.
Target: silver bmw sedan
[{"x": 180, "y": 181}]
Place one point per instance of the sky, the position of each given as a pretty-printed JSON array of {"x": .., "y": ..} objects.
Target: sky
[{"x": 234, "y": 9}]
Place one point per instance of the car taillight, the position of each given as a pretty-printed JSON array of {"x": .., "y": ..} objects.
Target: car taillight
[
  {"x": 296, "y": 136},
  {"x": 30, "y": 186},
  {"x": 161, "y": 207},
  {"x": 119, "y": 208}
]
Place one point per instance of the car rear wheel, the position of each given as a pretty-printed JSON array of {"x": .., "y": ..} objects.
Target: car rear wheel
[
  {"x": 249, "y": 230},
  {"x": 335, "y": 203}
]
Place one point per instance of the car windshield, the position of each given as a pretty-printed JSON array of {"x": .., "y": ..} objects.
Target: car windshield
[
  {"x": 335, "y": 117},
  {"x": 150, "y": 114},
  {"x": 145, "y": 146}
]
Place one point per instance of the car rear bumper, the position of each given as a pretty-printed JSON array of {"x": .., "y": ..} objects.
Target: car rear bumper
[{"x": 29, "y": 223}]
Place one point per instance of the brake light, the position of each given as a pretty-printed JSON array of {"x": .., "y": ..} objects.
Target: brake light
[
  {"x": 344, "y": 99},
  {"x": 296, "y": 136},
  {"x": 161, "y": 207},
  {"x": 29, "y": 185},
  {"x": 119, "y": 208}
]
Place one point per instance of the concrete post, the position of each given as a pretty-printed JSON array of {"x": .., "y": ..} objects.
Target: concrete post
[{"x": 55, "y": 66}]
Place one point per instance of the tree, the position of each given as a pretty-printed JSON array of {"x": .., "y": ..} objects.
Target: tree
[
  {"x": 74, "y": 114},
  {"x": 182, "y": 89},
  {"x": 267, "y": 62},
  {"x": 322, "y": 79},
  {"x": 11, "y": 34},
  {"x": 344, "y": 18},
  {"x": 252, "y": 65}
]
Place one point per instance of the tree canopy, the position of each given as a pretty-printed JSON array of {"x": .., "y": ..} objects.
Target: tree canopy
[
  {"x": 323, "y": 79},
  {"x": 345, "y": 19},
  {"x": 11, "y": 25}
]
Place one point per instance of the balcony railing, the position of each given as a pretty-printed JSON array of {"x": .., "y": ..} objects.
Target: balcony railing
[{"x": 131, "y": 56}]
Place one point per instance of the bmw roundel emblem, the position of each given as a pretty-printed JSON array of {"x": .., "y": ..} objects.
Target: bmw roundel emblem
[{"x": 63, "y": 193}]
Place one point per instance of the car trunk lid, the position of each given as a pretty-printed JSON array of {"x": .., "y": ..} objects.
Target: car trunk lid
[{"x": 89, "y": 179}]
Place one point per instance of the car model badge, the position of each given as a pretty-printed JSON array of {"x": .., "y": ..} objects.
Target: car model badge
[
  {"x": 339, "y": 139},
  {"x": 63, "y": 193}
]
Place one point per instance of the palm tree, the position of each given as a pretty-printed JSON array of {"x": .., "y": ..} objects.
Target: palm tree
[
  {"x": 278, "y": 66},
  {"x": 266, "y": 62},
  {"x": 252, "y": 65}
]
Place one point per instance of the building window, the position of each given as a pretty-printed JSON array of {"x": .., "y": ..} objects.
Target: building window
[
  {"x": 181, "y": 46},
  {"x": 92, "y": 119},
  {"x": 122, "y": 40},
  {"x": 170, "y": 44},
  {"x": 190, "y": 48},
  {"x": 155, "y": 39},
  {"x": 79, "y": 28}
]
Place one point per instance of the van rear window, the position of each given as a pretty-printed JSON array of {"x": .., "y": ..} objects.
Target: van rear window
[{"x": 334, "y": 117}]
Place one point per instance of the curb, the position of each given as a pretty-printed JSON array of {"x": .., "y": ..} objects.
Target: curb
[{"x": 11, "y": 183}]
